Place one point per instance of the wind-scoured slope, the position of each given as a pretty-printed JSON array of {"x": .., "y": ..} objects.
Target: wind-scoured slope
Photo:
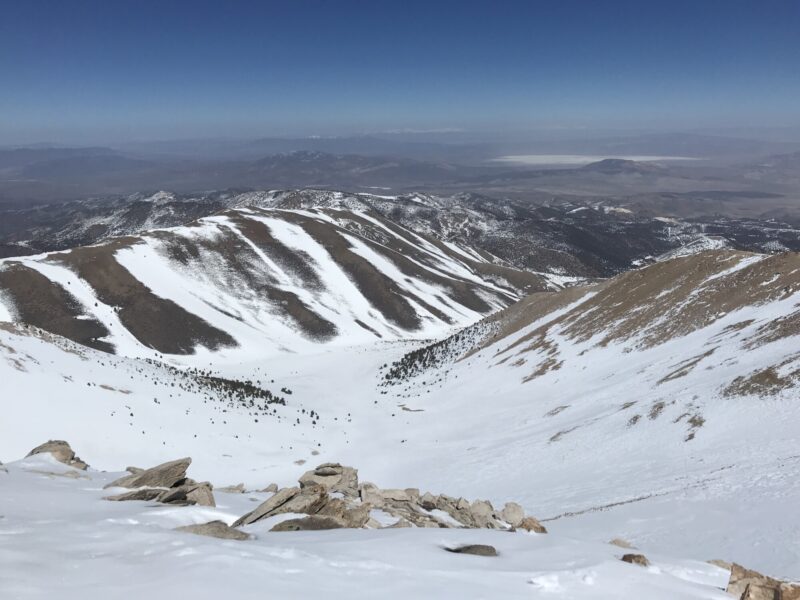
[
  {"x": 258, "y": 280},
  {"x": 660, "y": 405}
]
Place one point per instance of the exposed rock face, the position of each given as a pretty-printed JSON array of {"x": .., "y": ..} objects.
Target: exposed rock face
[
  {"x": 62, "y": 452},
  {"x": 271, "y": 488},
  {"x": 310, "y": 523},
  {"x": 636, "y": 559},
  {"x": 216, "y": 529},
  {"x": 746, "y": 584},
  {"x": 476, "y": 549},
  {"x": 166, "y": 475}
]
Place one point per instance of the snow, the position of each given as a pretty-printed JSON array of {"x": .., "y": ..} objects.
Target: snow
[
  {"x": 130, "y": 549},
  {"x": 561, "y": 444}
]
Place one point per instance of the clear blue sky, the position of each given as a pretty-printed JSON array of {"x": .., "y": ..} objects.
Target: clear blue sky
[{"x": 84, "y": 70}]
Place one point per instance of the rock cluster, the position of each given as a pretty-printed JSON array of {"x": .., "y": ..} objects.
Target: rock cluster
[
  {"x": 165, "y": 483},
  {"x": 746, "y": 584},
  {"x": 62, "y": 452},
  {"x": 332, "y": 497}
]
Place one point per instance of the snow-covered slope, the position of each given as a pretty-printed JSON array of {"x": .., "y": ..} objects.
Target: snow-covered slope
[
  {"x": 659, "y": 406},
  {"x": 119, "y": 550},
  {"x": 253, "y": 282}
]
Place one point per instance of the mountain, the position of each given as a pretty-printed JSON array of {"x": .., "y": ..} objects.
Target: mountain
[
  {"x": 272, "y": 279},
  {"x": 657, "y": 406},
  {"x": 660, "y": 403}
]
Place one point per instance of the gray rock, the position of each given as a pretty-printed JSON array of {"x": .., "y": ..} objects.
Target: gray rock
[
  {"x": 62, "y": 452},
  {"x": 310, "y": 523},
  {"x": 268, "y": 507},
  {"x": 377, "y": 497},
  {"x": 636, "y": 559},
  {"x": 353, "y": 516},
  {"x": 428, "y": 501},
  {"x": 483, "y": 514},
  {"x": 476, "y": 549},
  {"x": 134, "y": 470},
  {"x": 272, "y": 488},
  {"x": 140, "y": 494},
  {"x": 232, "y": 489},
  {"x": 512, "y": 514},
  {"x": 165, "y": 475},
  {"x": 334, "y": 478},
  {"x": 189, "y": 494},
  {"x": 216, "y": 529},
  {"x": 747, "y": 584}
]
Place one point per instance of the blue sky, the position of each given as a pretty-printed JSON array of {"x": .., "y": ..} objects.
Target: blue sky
[{"x": 120, "y": 70}]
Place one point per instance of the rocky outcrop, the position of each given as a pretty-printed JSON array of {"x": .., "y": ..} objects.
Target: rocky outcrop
[
  {"x": 62, "y": 452},
  {"x": 217, "y": 529},
  {"x": 746, "y": 584},
  {"x": 333, "y": 490},
  {"x": 166, "y": 483}
]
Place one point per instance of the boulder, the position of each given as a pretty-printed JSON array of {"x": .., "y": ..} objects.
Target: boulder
[
  {"x": 620, "y": 543},
  {"x": 265, "y": 508},
  {"x": 62, "y": 452},
  {"x": 353, "y": 516},
  {"x": 482, "y": 514},
  {"x": 217, "y": 529},
  {"x": 134, "y": 470},
  {"x": 531, "y": 524},
  {"x": 232, "y": 489},
  {"x": 428, "y": 501},
  {"x": 334, "y": 478},
  {"x": 790, "y": 591},
  {"x": 166, "y": 475},
  {"x": 377, "y": 497},
  {"x": 512, "y": 514},
  {"x": 146, "y": 494},
  {"x": 189, "y": 494},
  {"x": 636, "y": 559},
  {"x": 747, "y": 584},
  {"x": 272, "y": 488},
  {"x": 310, "y": 523},
  {"x": 475, "y": 549}
]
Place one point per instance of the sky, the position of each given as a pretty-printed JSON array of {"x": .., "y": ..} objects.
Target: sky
[{"x": 88, "y": 71}]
